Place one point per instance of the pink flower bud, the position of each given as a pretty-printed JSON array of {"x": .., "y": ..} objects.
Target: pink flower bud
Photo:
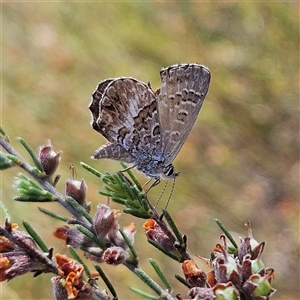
[
  {"x": 155, "y": 233},
  {"x": 115, "y": 255},
  {"x": 117, "y": 239},
  {"x": 77, "y": 190},
  {"x": 72, "y": 237},
  {"x": 104, "y": 220},
  {"x": 201, "y": 293},
  {"x": 49, "y": 159}
]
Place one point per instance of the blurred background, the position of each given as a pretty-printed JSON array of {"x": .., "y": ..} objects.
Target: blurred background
[{"x": 241, "y": 159}]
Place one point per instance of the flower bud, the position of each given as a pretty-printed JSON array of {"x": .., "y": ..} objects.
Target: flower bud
[
  {"x": 77, "y": 190},
  {"x": 155, "y": 233},
  {"x": 49, "y": 159},
  {"x": 258, "y": 285},
  {"x": 201, "y": 293},
  {"x": 104, "y": 220},
  {"x": 194, "y": 276},
  {"x": 257, "y": 263},
  {"x": 17, "y": 259},
  {"x": 130, "y": 232},
  {"x": 232, "y": 275},
  {"x": 72, "y": 237},
  {"x": 115, "y": 255},
  {"x": 225, "y": 267},
  {"x": 117, "y": 239},
  {"x": 59, "y": 291}
]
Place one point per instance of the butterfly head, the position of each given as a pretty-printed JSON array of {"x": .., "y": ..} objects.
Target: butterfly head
[{"x": 169, "y": 172}]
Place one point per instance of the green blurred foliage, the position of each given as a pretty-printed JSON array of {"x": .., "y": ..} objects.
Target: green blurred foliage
[{"x": 241, "y": 159}]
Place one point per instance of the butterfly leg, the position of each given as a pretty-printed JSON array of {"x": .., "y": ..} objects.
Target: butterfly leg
[
  {"x": 156, "y": 182},
  {"x": 128, "y": 168}
]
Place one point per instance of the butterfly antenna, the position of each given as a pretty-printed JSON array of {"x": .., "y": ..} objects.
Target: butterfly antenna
[
  {"x": 161, "y": 194},
  {"x": 172, "y": 190}
]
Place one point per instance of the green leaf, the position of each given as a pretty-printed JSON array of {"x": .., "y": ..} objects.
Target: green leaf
[
  {"x": 119, "y": 188},
  {"x": 173, "y": 227},
  {"x": 92, "y": 170},
  {"x": 3, "y": 133},
  {"x": 164, "y": 250},
  {"x": 182, "y": 280},
  {"x": 160, "y": 273},
  {"x": 90, "y": 251},
  {"x": 6, "y": 163},
  {"x": 53, "y": 215},
  {"x": 35, "y": 236},
  {"x": 32, "y": 154},
  {"x": 5, "y": 212},
  {"x": 227, "y": 234},
  {"x": 130, "y": 246},
  {"x": 30, "y": 191},
  {"x": 144, "y": 294},
  {"x": 131, "y": 175},
  {"x": 29, "y": 181},
  {"x": 137, "y": 213},
  {"x": 80, "y": 209},
  {"x": 146, "y": 279},
  {"x": 13, "y": 158},
  {"x": 91, "y": 236},
  {"x": 29, "y": 198},
  {"x": 106, "y": 281}
]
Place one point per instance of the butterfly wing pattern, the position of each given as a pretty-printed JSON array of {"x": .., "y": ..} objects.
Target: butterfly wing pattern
[
  {"x": 182, "y": 93},
  {"x": 149, "y": 128}
]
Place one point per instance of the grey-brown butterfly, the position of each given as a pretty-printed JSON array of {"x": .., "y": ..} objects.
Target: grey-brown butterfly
[{"x": 147, "y": 128}]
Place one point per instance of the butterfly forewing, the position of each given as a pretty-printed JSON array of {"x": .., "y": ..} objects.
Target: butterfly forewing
[{"x": 181, "y": 97}]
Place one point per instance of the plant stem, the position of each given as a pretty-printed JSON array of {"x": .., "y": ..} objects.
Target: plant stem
[{"x": 46, "y": 185}]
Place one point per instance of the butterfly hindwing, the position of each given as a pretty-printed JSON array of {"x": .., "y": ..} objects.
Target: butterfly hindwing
[{"x": 128, "y": 116}]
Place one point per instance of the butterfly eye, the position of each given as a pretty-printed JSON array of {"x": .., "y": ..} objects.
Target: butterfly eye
[{"x": 169, "y": 171}]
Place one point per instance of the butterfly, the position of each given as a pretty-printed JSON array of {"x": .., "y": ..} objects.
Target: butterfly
[{"x": 147, "y": 128}]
